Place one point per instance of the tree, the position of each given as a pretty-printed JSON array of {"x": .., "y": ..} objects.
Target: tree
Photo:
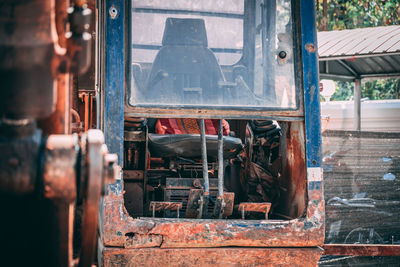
[
  {"x": 380, "y": 89},
  {"x": 350, "y": 14},
  {"x": 344, "y": 91}
]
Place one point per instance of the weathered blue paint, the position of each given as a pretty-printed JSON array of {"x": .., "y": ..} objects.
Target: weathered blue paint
[
  {"x": 310, "y": 83},
  {"x": 113, "y": 112},
  {"x": 314, "y": 185},
  {"x": 308, "y": 226}
]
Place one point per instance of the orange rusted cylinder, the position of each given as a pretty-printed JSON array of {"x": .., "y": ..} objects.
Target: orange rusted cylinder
[{"x": 59, "y": 122}]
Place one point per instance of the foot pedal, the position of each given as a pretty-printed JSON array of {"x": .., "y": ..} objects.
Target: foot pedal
[
  {"x": 165, "y": 205},
  {"x": 197, "y": 203},
  {"x": 229, "y": 199},
  {"x": 254, "y": 207},
  {"x": 194, "y": 206}
]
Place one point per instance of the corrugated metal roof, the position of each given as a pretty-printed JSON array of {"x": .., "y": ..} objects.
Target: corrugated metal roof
[
  {"x": 376, "y": 40},
  {"x": 360, "y": 53}
]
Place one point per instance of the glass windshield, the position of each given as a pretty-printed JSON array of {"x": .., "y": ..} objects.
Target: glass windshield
[{"x": 213, "y": 54}]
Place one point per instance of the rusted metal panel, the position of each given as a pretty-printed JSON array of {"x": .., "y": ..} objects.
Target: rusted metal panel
[
  {"x": 212, "y": 257},
  {"x": 362, "y": 249},
  {"x": 305, "y": 232},
  {"x": 207, "y": 114},
  {"x": 142, "y": 241},
  {"x": 293, "y": 200}
]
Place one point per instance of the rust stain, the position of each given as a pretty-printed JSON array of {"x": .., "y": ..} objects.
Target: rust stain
[
  {"x": 310, "y": 47},
  {"x": 214, "y": 233},
  {"x": 117, "y": 222},
  {"x": 142, "y": 241},
  {"x": 294, "y": 171},
  {"x": 212, "y": 257}
]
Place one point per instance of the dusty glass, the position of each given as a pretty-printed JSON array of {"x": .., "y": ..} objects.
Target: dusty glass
[{"x": 212, "y": 54}]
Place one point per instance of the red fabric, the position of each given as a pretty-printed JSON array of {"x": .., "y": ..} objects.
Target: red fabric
[{"x": 189, "y": 126}]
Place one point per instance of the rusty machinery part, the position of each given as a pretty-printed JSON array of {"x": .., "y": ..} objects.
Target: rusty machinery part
[
  {"x": 71, "y": 166},
  {"x": 59, "y": 176},
  {"x": 79, "y": 39},
  {"x": 65, "y": 168},
  {"x": 31, "y": 55},
  {"x": 101, "y": 169},
  {"x": 59, "y": 186},
  {"x": 28, "y": 59},
  {"x": 19, "y": 158}
]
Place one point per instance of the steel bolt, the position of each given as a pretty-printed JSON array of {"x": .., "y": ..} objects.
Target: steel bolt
[
  {"x": 113, "y": 12},
  {"x": 282, "y": 54}
]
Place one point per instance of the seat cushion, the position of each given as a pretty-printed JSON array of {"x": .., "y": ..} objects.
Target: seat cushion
[{"x": 189, "y": 145}]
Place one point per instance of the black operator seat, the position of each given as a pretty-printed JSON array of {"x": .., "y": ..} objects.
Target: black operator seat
[
  {"x": 185, "y": 71},
  {"x": 188, "y": 146}
]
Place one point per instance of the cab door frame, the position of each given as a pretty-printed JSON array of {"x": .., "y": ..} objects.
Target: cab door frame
[{"x": 119, "y": 229}]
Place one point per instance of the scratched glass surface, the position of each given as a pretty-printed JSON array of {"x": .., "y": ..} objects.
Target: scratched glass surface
[
  {"x": 362, "y": 193},
  {"x": 228, "y": 56}
]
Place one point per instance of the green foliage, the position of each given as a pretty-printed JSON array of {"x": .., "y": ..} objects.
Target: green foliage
[
  {"x": 343, "y": 14},
  {"x": 380, "y": 89},
  {"x": 343, "y": 92},
  {"x": 350, "y": 14}
]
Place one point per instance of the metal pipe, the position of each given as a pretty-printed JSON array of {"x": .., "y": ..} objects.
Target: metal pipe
[
  {"x": 357, "y": 104},
  {"x": 335, "y": 76},
  {"x": 76, "y": 116},
  {"x": 353, "y": 57},
  {"x": 350, "y": 69},
  {"x": 220, "y": 159},
  {"x": 204, "y": 157}
]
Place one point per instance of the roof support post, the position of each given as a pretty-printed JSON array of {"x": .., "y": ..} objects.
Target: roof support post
[{"x": 357, "y": 104}]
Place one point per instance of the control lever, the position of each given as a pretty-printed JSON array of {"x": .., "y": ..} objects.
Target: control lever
[
  {"x": 206, "y": 194},
  {"x": 220, "y": 204}
]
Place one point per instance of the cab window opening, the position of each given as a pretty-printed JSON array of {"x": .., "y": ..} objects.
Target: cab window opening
[{"x": 177, "y": 62}]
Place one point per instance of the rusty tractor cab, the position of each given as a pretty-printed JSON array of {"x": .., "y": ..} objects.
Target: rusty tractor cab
[{"x": 221, "y": 135}]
